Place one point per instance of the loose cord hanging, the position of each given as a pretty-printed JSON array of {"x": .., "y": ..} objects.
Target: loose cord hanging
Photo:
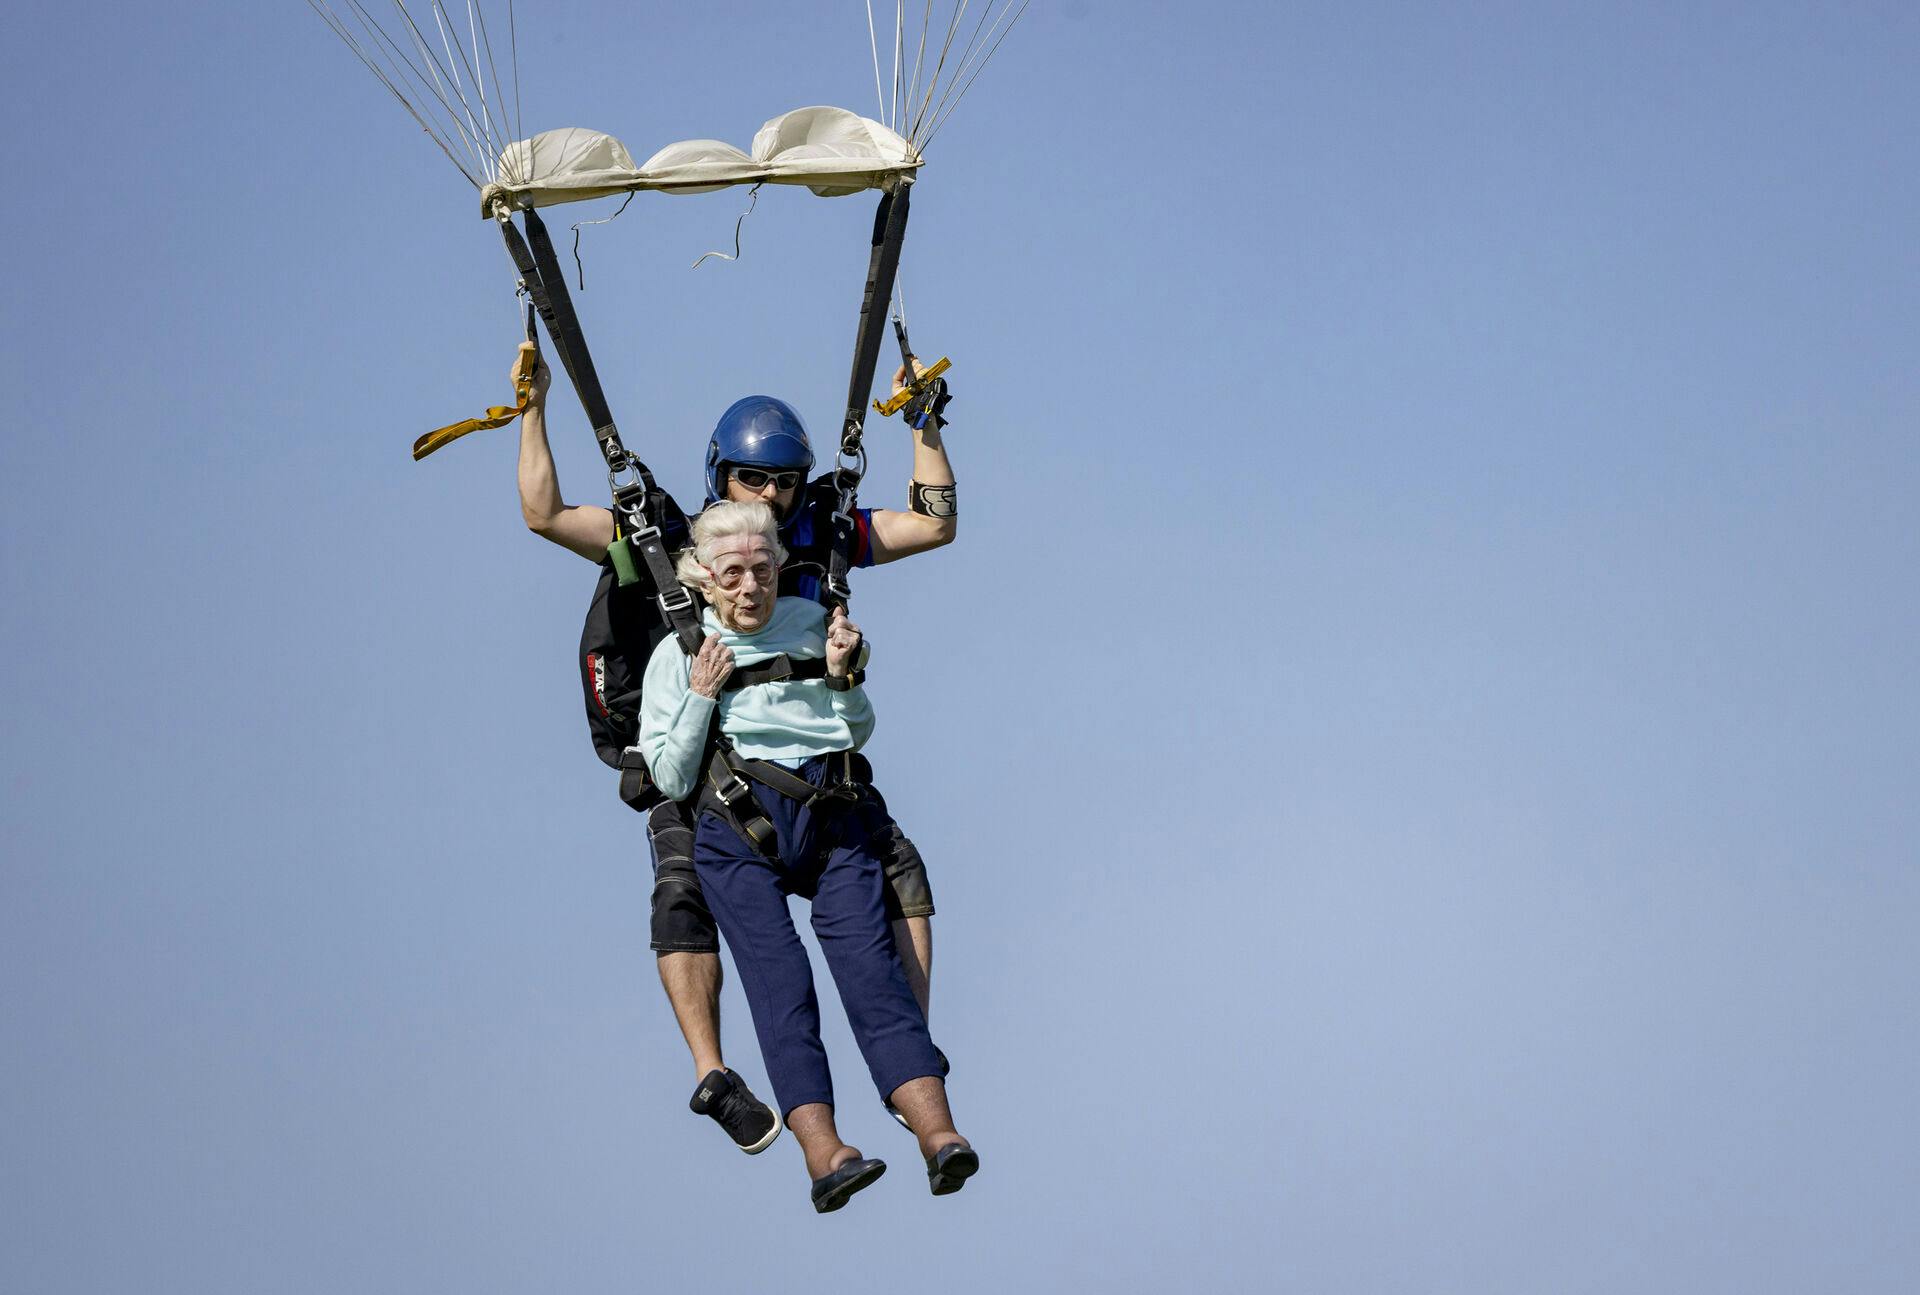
[
  {"x": 579, "y": 270},
  {"x": 753, "y": 197}
]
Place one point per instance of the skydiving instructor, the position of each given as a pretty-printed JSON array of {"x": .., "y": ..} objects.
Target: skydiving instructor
[{"x": 759, "y": 452}]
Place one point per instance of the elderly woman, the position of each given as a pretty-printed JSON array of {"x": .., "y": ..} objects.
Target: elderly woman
[{"x": 778, "y": 818}]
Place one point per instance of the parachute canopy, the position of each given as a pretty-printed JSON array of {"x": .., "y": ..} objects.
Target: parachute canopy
[{"x": 830, "y": 150}]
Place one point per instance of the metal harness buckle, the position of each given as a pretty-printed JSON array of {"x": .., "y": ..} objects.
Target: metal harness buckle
[
  {"x": 733, "y": 790},
  {"x": 676, "y": 599}
]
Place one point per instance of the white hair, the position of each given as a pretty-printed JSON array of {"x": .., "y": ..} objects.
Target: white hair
[{"x": 726, "y": 520}]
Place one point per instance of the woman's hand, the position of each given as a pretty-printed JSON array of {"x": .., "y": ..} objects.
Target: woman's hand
[
  {"x": 843, "y": 640},
  {"x": 711, "y": 666}
]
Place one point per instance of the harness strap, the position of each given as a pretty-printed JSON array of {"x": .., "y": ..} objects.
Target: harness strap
[
  {"x": 636, "y": 783},
  {"x": 784, "y": 669},
  {"x": 727, "y": 792},
  {"x": 777, "y": 669},
  {"x": 730, "y": 796}
]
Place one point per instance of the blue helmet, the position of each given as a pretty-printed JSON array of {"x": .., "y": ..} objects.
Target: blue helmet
[{"x": 760, "y": 432}]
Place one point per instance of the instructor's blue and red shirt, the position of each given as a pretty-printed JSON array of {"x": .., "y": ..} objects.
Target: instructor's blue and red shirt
[{"x": 807, "y": 536}]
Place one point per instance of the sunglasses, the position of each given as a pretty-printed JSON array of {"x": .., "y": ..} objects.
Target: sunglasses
[{"x": 757, "y": 478}]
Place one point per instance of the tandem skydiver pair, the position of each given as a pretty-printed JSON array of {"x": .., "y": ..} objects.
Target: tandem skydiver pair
[{"x": 768, "y": 715}]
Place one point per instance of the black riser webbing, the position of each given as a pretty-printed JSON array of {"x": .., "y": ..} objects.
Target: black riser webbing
[
  {"x": 634, "y": 508},
  {"x": 536, "y": 289},
  {"x": 586, "y": 379},
  {"x": 883, "y": 265}
]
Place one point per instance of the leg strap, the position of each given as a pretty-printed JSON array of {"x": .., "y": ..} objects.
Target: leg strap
[{"x": 728, "y": 794}]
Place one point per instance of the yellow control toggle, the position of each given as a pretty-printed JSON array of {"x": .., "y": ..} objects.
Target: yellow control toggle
[
  {"x": 496, "y": 416},
  {"x": 914, "y": 388}
]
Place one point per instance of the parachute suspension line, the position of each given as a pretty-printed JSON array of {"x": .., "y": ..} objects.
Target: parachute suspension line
[
  {"x": 347, "y": 38},
  {"x": 446, "y": 80},
  {"x": 439, "y": 83},
  {"x": 513, "y": 59},
  {"x": 953, "y": 25},
  {"x": 396, "y": 59},
  {"x": 453, "y": 88},
  {"x": 579, "y": 269},
  {"x": 873, "y": 43},
  {"x": 899, "y": 60},
  {"x": 430, "y": 74},
  {"x": 753, "y": 197},
  {"x": 951, "y": 99},
  {"x": 919, "y": 58},
  {"x": 519, "y": 122},
  {"x": 483, "y": 128},
  {"x": 922, "y": 97},
  {"x": 479, "y": 82},
  {"x": 478, "y": 14}
]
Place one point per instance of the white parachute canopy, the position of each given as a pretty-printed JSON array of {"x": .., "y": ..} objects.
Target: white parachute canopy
[
  {"x": 446, "y": 70},
  {"x": 829, "y": 150},
  {"x": 457, "y": 73}
]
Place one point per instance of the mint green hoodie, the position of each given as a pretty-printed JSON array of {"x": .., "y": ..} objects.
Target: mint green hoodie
[{"x": 789, "y": 722}]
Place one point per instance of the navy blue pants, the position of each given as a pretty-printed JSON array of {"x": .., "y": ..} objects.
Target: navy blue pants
[{"x": 826, "y": 855}]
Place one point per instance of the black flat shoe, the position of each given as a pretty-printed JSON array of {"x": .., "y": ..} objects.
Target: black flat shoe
[
  {"x": 949, "y": 1168},
  {"x": 831, "y": 1192}
]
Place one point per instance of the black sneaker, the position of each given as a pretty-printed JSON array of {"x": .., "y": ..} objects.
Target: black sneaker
[
  {"x": 750, "y": 1122},
  {"x": 946, "y": 1068}
]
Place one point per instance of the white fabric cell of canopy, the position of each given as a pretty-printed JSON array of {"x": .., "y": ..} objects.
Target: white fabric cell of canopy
[{"x": 830, "y": 150}]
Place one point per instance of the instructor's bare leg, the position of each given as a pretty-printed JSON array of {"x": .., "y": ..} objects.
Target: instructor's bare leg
[
  {"x": 692, "y": 982},
  {"x": 914, "y": 938}
]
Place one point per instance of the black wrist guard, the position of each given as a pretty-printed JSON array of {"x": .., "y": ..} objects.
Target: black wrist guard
[
  {"x": 933, "y": 501},
  {"x": 929, "y": 406}
]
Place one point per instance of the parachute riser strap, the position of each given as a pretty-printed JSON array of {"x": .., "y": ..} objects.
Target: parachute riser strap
[
  {"x": 546, "y": 284},
  {"x": 535, "y": 288},
  {"x": 637, "y": 540},
  {"x": 634, "y": 492},
  {"x": 883, "y": 265},
  {"x": 560, "y": 316}
]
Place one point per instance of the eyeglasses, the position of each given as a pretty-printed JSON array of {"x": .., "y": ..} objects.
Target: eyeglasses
[
  {"x": 729, "y": 576},
  {"x": 757, "y": 478}
]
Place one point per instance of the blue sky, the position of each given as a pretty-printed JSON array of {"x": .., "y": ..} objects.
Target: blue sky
[{"x": 1415, "y": 744}]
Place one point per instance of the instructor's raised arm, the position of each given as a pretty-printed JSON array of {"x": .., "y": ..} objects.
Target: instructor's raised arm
[
  {"x": 583, "y": 528},
  {"x": 931, "y": 519}
]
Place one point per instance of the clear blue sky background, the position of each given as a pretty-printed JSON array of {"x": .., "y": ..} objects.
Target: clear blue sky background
[{"x": 1416, "y": 743}]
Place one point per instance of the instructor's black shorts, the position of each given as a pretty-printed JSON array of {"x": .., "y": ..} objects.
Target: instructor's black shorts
[{"x": 682, "y": 922}]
